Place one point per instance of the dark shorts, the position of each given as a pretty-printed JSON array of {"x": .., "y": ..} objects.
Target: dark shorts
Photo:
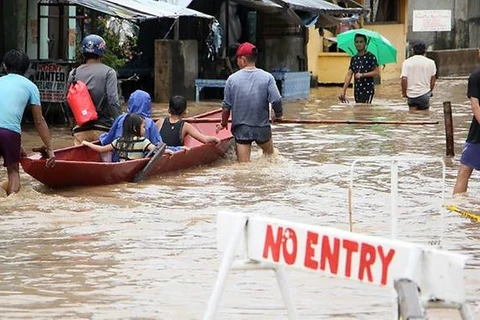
[
  {"x": 422, "y": 102},
  {"x": 471, "y": 155},
  {"x": 10, "y": 144},
  {"x": 246, "y": 135},
  {"x": 362, "y": 97}
]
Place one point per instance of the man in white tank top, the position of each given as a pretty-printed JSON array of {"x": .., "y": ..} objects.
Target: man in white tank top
[{"x": 418, "y": 78}]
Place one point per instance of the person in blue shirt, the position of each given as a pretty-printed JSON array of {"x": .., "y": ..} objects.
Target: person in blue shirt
[
  {"x": 17, "y": 93},
  {"x": 139, "y": 103}
]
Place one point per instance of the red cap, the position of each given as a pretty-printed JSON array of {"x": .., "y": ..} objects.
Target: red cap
[{"x": 246, "y": 49}]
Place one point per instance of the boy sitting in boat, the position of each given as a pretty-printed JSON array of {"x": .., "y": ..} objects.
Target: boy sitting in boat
[
  {"x": 173, "y": 128},
  {"x": 132, "y": 144}
]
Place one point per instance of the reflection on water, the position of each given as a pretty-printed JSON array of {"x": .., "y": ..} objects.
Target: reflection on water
[{"x": 149, "y": 250}]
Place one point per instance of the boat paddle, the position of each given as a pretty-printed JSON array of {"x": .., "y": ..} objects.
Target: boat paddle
[{"x": 157, "y": 154}]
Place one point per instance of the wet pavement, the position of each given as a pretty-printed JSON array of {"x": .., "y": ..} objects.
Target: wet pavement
[{"x": 149, "y": 250}]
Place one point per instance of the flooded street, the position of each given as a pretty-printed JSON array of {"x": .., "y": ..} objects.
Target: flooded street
[{"x": 148, "y": 251}]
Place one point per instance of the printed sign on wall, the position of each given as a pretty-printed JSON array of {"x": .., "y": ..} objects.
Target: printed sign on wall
[
  {"x": 432, "y": 20},
  {"x": 51, "y": 80}
]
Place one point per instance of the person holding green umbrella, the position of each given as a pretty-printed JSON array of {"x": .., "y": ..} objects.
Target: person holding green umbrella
[{"x": 363, "y": 67}]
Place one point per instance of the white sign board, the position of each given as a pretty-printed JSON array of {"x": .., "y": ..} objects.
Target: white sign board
[
  {"x": 338, "y": 253},
  {"x": 432, "y": 20}
]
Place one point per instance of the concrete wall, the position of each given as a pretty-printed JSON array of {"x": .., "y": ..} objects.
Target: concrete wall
[
  {"x": 285, "y": 52},
  {"x": 14, "y": 24},
  {"x": 176, "y": 68},
  {"x": 474, "y": 23},
  {"x": 281, "y": 43},
  {"x": 465, "y": 24},
  {"x": 455, "y": 62}
]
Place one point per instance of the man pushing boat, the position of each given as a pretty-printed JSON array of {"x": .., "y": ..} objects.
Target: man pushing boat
[
  {"x": 17, "y": 93},
  {"x": 248, "y": 95}
]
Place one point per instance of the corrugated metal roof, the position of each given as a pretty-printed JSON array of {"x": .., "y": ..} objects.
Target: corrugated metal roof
[
  {"x": 320, "y": 5},
  {"x": 159, "y": 8},
  {"x": 139, "y": 9},
  {"x": 180, "y": 3},
  {"x": 313, "y": 6},
  {"x": 111, "y": 9}
]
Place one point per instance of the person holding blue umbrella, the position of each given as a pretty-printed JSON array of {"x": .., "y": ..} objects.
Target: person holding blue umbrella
[{"x": 363, "y": 67}]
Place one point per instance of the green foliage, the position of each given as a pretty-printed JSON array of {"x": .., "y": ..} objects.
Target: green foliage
[{"x": 116, "y": 55}]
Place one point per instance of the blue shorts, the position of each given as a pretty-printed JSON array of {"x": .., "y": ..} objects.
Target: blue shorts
[
  {"x": 246, "y": 135},
  {"x": 10, "y": 146},
  {"x": 422, "y": 102},
  {"x": 471, "y": 155}
]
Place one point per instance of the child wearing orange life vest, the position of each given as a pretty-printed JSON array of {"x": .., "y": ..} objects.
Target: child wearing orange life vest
[
  {"x": 132, "y": 144},
  {"x": 173, "y": 129}
]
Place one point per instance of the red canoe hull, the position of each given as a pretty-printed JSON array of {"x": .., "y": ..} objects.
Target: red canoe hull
[{"x": 81, "y": 166}]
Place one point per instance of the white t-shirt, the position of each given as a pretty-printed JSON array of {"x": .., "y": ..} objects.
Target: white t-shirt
[{"x": 419, "y": 70}]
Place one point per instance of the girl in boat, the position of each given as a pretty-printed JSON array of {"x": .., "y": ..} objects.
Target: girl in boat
[
  {"x": 132, "y": 144},
  {"x": 173, "y": 129},
  {"x": 139, "y": 103}
]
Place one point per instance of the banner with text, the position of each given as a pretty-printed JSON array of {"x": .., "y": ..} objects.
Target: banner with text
[
  {"x": 51, "y": 80},
  {"x": 432, "y": 20}
]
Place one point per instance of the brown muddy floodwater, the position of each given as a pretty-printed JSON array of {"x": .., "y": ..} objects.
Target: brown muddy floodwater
[{"x": 149, "y": 250}]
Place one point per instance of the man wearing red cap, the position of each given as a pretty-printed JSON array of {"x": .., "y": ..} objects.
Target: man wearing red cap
[{"x": 248, "y": 95}]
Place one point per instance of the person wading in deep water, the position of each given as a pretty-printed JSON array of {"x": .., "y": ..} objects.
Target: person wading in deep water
[
  {"x": 248, "y": 93},
  {"x": 363, "y": 67}
]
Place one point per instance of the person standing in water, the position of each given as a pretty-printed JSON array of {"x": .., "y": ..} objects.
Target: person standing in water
[
  {"x": 470, "y": 158},
  {"x": 17, "y": 93},
  {"x": 418, "y": 78},
  {"x": 248, "y": 95},
  {"x": 363, "y": 67}
]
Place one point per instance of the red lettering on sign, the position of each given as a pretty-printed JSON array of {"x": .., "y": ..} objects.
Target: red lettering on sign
[
  {"x": 281, "y": 245},
  {"x": 272, "y": 244},
  {"x": 350, "y": 247},
  {"x": 386, "y": 260},
  {"x": 332, "y": 256},
  {"x": 289, "y": 246},
  {"x": 312, "y": 239},
  {"x": 49, "y": 67},
  {"x": 367, "y": 259}
]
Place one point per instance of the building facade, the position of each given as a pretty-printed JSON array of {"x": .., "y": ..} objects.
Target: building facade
[
  {"x": 465, "y": 31},
  {"x": 388, "y": 17}
]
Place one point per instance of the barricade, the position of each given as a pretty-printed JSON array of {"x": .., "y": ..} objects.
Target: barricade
[
  {"x": 393, "y": 162},
  {"x": 266, "y": 243}
]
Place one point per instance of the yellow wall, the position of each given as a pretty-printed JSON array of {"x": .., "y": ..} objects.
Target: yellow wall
[
  {"x": 314, "y": 47},
  {"x": 332, "y": 67},
  {"x": 394, "y": 33}
]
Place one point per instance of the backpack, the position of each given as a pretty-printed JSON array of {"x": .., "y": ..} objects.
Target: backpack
[{"x": 80, "y": 101}]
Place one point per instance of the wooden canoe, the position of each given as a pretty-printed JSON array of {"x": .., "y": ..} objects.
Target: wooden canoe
[{"x": 81, "y": 166}]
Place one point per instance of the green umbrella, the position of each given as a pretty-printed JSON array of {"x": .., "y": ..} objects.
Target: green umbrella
[{"x": 377, "y": 44}]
